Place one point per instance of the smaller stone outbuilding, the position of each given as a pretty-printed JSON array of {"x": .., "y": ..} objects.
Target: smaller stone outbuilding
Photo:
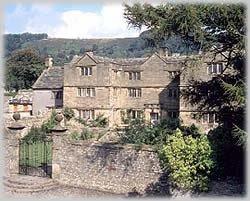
[
  {"x": 48, "y": 89},
  {"x": 21, "y": 103}
]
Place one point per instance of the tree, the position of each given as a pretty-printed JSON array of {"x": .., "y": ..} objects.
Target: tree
[
  {"x": 22, "y": 69},
  {"x": 218, "y": 28},
  {"x": 221, "y": 30}
]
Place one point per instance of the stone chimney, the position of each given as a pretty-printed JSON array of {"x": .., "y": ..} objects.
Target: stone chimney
[
  {"x": 49, "y": 62},
  {"x": 164, "y": 52},
  {"x": 90, "y": 53}
]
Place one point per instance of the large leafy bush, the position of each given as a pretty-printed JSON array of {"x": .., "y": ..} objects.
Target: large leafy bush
[{"x": 188, "y": 160}]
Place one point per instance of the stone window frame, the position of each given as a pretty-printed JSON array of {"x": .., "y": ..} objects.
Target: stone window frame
[
  {"x": 86, "y": 71},
  {"x": 173, "y": 114},
  {"x": 215, "y": 68},
  {"x": 134, "y": 113},
  {"x": 86, "y": 92},
  {"x": 209, "y": 118},
  {"x": 135, "y": 92},
  {"x": 86, "y": 114},
  {"x": 172, "y": 93},
  {"x": 134, "y": 75}
]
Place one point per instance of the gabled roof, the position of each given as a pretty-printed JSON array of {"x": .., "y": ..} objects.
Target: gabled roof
[{"x": 51, "y": 78}]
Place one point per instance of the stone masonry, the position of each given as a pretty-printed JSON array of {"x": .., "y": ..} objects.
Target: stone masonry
[{"x": 157, "y": 82}]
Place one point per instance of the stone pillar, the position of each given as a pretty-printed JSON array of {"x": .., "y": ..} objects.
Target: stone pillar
[
  {"x": 57, "y": 135},
  {"x": 13, "y": 135}
]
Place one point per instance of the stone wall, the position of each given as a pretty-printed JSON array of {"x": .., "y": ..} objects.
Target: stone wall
[{"x": 105, "y": 166}]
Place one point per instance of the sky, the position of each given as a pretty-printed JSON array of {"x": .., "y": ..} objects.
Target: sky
[{"x": 92, "y": 20}]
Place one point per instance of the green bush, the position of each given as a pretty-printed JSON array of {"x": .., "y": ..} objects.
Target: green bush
[
  {"x": 86, "y": 134},
  {"x": 99, "y": 121},
  {"x": 75, "y": 135},
  {"x": 81, "y": 121},
  {"x": 50, "y": 123},
  {"x": 68, "y": 113},
  {"x": 188, "y": 160},
  {"x": 35, "y": 134},
  {"x": 225, "y": 143},
  {"x": 140, "y": 132}
]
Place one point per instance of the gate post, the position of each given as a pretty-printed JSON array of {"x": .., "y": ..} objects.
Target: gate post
[
  {"x": 58, "y": 132},
  {"x": 12, "y": 146}
]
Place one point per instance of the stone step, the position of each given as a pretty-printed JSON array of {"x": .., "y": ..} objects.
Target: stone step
[
  {"x": 28, "y": 184},
  {"x": 12, "y": 190}
]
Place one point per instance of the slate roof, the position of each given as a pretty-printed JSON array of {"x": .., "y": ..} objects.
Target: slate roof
[
  {"x": 120, "y": 61},
  {"x": 51, "y": 78}
]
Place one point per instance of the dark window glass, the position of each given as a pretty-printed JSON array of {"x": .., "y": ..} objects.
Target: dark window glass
[{"x": 170, "y": 92}]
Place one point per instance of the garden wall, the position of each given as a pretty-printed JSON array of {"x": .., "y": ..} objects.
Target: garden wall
[{"x": 106, "y": 166}]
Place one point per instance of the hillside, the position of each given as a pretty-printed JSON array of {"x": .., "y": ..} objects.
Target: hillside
[{"x": 62, "y": 50}]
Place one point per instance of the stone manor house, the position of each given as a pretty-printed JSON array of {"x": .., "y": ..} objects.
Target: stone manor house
[{"x": 118, "y": 88}]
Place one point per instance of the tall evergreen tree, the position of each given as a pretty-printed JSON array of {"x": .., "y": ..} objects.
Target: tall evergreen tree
[{"x": 219, "y": 28}]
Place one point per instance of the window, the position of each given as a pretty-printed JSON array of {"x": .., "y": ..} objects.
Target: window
[
  {"x": 134, "y": 75},
  {"x": 86, "y": 114},
  {"x": 170, "y": 93},
  {"x": 86, "y": 71},
  {"x": 173, "y": 114},
  {"x": 215, "y": 68},
  {"x": 134, "y": 92},
  {"x": 133, "y": 114},
  {"x": 86, "y": 92},
  {"x": 59, "y": 95},
  {"x": 209, "y": 118},
  {"x": 175, "y": 93},
  {"x": 154, "y": 116}
]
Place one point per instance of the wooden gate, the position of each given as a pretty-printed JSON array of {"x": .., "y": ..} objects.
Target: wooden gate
[{"x": 35, "y": 158}]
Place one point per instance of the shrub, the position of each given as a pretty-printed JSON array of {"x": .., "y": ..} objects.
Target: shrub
[
  {"x": 68, "y": 113},
  {"x": 188, "y": 160},
  {"x": 81, "y": 121},
  {"x": 50, "y": 123},
  {"x": 86, "y": 134},
  {"x": 35, "y": 134},
  {"x": 224, "y": 144},
  {"x": 100, "y": 121},
  {"x": 140, "y": 132},
  {"x": 75, "y": 135}
]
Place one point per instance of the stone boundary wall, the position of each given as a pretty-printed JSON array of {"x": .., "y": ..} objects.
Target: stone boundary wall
[{"x": 106, "y": 166}]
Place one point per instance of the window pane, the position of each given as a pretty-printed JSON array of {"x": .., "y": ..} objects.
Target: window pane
[
  {"x": 220, "y": 67},
  {"x": 175, "y": 93},
  {"x": 90, "y": 70},
  {"x": 79, "y": 91},
  {"x": 214, "y": 68},
  {"x": 138, "y": 75},
  {"x": 130, "y": 75},
  {"x": 139, "y": 92},
  {"x": 88, "y": 92},
  {"x": 170, "y": 93}
]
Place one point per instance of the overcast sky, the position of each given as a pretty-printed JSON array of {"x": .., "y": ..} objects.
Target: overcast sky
[{"x": 69, "y": 21}]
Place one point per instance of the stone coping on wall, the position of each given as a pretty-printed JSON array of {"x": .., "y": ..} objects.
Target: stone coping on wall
[{"x": 111, "y": 145}]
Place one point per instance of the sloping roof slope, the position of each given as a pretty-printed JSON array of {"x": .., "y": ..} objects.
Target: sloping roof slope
[{"x": 51, "y": 78}]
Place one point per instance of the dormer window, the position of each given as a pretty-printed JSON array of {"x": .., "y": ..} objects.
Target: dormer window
[
  {"x": 86, "y": 71},
  {"x": 215, "y": 68},
  {"x": 134, "y": 75}
]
